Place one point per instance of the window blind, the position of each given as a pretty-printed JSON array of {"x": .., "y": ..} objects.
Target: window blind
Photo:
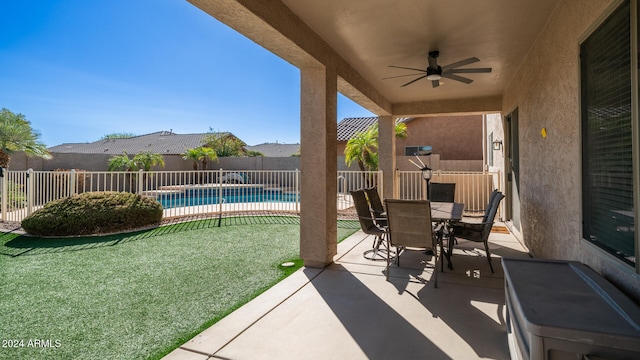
[{"x": 608, "y": 213}]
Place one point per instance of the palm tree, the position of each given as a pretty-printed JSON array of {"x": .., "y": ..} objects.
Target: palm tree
[
  {"x": 16, "y": 134},
  {"x": 201, "y": 153},
  {"x": 122, "y": 162},
  {"x": 145, "y": 160},
  {"x": 207, "y": 153},
  {"x": 363, "y": 147},
  {"x": 193, "y": 155}
]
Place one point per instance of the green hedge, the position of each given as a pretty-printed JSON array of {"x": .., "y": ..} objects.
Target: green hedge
[{"x": 93, "y": 213}]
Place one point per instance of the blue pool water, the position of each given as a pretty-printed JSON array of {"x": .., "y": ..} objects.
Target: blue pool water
[{"x": 194, "y": 197}]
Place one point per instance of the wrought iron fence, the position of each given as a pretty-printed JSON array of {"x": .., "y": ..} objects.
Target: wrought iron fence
[
  {"x": 472, "y": 188},
  {"x": 187, "y": 193}
]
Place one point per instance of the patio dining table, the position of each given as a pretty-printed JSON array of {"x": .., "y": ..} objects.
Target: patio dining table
[{"x": 444, "y": 213}]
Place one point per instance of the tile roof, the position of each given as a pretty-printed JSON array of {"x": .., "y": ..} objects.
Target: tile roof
[
  {"x": 161, "y": 142},
  {"x": 348, "y": 127},
  {"x": 275, "y": 149}
]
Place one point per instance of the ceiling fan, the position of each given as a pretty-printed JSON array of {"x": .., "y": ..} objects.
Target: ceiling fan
[{"x": 435, "y": 72}]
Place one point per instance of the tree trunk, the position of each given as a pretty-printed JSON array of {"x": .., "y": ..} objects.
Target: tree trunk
[{"x": 4, "y": 159}]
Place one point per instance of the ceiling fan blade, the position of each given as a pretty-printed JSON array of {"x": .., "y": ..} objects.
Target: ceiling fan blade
[
  {"x": 407, "y": 68},
  {"x": 469, "y": 71},
  {"x": 457, "y": 78},
  {"x": 414, "y": 80},
  {"x": 393, "y": 77},
  {"x": 435, "y": 83},
  {"x": 460, "y": 63}
]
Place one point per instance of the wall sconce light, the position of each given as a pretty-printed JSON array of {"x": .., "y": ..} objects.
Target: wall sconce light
[{"x": 497, "y": 145}]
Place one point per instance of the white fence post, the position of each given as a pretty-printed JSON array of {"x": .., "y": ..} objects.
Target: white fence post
[
  {"x": 72, "y": 182},
  {"x": 30, "y": 191},
  {"x": 4, "y": 177},
  {"x": 220, "y": 200},
  {"x": 140, "y": 181}
]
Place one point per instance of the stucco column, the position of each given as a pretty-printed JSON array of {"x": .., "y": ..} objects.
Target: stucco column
[
  {"x": 387, "y": 154},
  {"x": 318, "y": 166}
]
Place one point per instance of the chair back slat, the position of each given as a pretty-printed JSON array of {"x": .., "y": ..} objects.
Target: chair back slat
[
  {"x": 490, "y": 216},
  {"x": 492, "y": 197},
  {"x": 364, "y": 214},
  {"x": 410, "y": 223},
  {"x": 376, "y": 205},
  {"x": 374, "y": 200},
  {"x": 442, "y": 192}
]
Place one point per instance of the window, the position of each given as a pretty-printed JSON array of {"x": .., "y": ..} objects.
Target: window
[
  {"x": 417, "y": 150},
  {"x": 608, "y": 211}
]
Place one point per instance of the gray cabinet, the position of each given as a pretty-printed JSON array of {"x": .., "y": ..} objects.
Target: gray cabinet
[{"x": 560, "y": 310}]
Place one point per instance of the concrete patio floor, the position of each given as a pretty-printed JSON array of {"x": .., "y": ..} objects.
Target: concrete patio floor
[{"x": 349, "y": 311}]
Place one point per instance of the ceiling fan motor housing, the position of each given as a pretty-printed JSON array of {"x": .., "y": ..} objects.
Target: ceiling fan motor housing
[
  {"x": 431, "y": 71},
  {"x": 434, "y": 71}
]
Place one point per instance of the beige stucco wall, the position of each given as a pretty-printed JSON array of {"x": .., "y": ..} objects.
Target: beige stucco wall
[
  {"x": 452, "y": 137},
  {"x": 550, "y": 170},
  {"x": 99, "y": 162}
]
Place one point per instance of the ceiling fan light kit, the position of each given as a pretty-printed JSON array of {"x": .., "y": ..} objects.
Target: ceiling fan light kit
[{"x": 435, "y": 72}]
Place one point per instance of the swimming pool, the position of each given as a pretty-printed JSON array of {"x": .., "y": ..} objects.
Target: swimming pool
[{"x": 230, "y": 195}]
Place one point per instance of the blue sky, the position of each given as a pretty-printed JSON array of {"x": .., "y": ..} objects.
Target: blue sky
[{"x": 81, "y": 69}]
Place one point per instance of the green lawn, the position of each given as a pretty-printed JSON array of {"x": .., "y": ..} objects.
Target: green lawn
[{"x": 138, "y": 295}]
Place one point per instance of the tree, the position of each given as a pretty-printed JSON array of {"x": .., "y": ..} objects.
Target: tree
[
  {"x": 122, "y": 162},
  {"x": 363, "y": 147},
  {"x": 207, "y": 153},
  {"x": 201, "y": 153},
  {"x": 193, "y": 155},
  {"x": 225, "y": 144},
  {"x": 254, "y": 153},
  {"x": 145, "y": 160},
  {"x": 120, "y": 135},
  {"x": 16, "y": 134}
]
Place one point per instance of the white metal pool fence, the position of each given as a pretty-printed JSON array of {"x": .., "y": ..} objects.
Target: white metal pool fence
[{"x": 189, "y": 193}]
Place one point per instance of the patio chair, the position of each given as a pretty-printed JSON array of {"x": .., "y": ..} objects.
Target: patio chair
[
  {"x": 369, "y": 226},
  {"x": 479, "y": 232},
  {"x": 376, "y": 206},
  {"x": 410, "y": 227},
  {"x": 442, "y": 192}
]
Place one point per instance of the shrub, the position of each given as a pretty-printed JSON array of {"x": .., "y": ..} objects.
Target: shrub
[{"x": 93, "y": 213}]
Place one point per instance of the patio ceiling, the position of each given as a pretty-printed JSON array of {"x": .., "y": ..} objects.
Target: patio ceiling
[{"x": 366, "y": 36}]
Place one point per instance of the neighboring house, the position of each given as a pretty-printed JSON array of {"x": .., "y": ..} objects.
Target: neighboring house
[
  {"x": 161, "y": 142},
  {"x": 94, "y": 156},
  {"x": 456, "y": 141},
  {"x": 275, "y": 149}
]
